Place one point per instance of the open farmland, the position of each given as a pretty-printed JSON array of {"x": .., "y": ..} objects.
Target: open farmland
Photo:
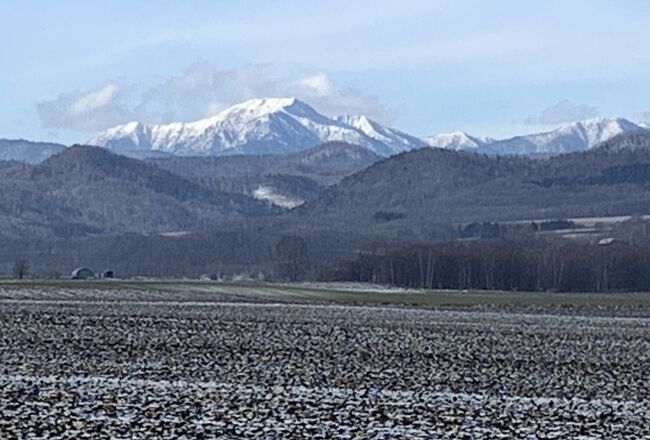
[{"x": 204, "y": 360}]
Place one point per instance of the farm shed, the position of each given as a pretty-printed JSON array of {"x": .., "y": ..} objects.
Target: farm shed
[{"x": 82, "y": 273}]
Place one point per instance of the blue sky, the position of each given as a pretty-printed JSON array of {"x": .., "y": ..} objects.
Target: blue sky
[{"x": 493, "y": 68}]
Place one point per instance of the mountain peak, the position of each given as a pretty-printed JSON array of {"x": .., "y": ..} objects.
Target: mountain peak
[
  {"x": 352, "y": 119},
  {"x": 263, "y": 105},
  {"x": 577, "y": 136},
  {"x": 632, "y": 142},
  {"x": 600, "y": 120},
  {"x": 601, "y": 123},
  {"x": 278, "y": 125},
  {"x": 360, "y": 122},
  {"x": 396, "y": 140},
  {"x": 598, "y": 130}
]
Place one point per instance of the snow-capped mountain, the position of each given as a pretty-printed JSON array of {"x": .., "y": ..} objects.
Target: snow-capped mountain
[
  {"x": 257, "y": 126},
  {"x": 457, "y": 140},
  {"x": 578, "y": 136},
  {"x": 287, "y": 125}
]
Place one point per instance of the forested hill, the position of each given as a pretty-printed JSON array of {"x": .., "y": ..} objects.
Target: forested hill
[
  {"x": 325, "y": 164},
  {"x": 86, "y": 200},
  {"x": 88, "y": 190},
  {"x": 428, "y": 186},
  {"x": 284, "y": 180},
  {"x": 22, "y": 150}
]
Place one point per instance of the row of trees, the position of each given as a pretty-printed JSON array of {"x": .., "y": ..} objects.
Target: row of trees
[
  {"x": 502, "y": 265},
  {"x": 496, "y": 264},
  {"x": 285, "y": 257}
]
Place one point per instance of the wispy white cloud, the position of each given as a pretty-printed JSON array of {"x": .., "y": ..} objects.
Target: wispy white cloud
[
  {"x": 93, "y": 100},
  {"x": 201, "y": 90},
  {"x": 444, "y": 63},
  {"x": 329, "y": 98},
  {"x": 319, "y": 84},
  {"x": 86, "y": 111},
  {"x": 550, "y": 118},
  {"x": 564, "y": 111},
  {"x": 391, "y": 36},
  {"x": 643, "y": 117},
  {"x": 270, "y": 30}
]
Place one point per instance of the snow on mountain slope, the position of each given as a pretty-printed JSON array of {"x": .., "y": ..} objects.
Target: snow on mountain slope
[
  {"x": 578, "y": 136},
  {"x": 287, "y": 125},
  {"x": 396, "y": 140},
  {"x": 257, "y": 126},
  {"x": 457, "y": 141}
]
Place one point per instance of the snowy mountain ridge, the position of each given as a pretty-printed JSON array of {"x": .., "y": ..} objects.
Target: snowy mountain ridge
[
  {"x": 257, "y": 126},
  {"x": 578, "y": 136},
  {"x": 288, "y": 125},
  {"x": 457, "y": 140},
  {"x": 389, "y": 136}
]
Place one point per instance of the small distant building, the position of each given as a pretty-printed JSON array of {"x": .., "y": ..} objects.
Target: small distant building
[
  {"x": 108, "y": 274},
  {"x": 82, "y": 273}
]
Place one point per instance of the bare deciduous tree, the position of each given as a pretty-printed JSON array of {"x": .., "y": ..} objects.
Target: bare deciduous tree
[{"x": 21, "y": 268}]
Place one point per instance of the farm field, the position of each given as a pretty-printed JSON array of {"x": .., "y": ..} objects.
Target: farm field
[{"x": 163, "y": 359}]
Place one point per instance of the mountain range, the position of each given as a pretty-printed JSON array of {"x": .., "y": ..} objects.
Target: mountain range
[
  {"x": 578, "y": 136},
  {"x": 287, "y": 125},
  {"x": 458, "y": 141},
  {"x": 257, "y": 126},
  {"x": 416, "y": 190},
  {"x": 281, "y": 126},
  {"x": 86, "y": 190},
  {"x": 161, "y": 216}
]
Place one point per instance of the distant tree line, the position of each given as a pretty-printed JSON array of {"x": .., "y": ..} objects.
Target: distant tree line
[
  {"x": 291, "y": 258},
  {"x": 491, "y": 230},
  {"x": 488, "y": 255},
  {"x": 502, "y": 265}
]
